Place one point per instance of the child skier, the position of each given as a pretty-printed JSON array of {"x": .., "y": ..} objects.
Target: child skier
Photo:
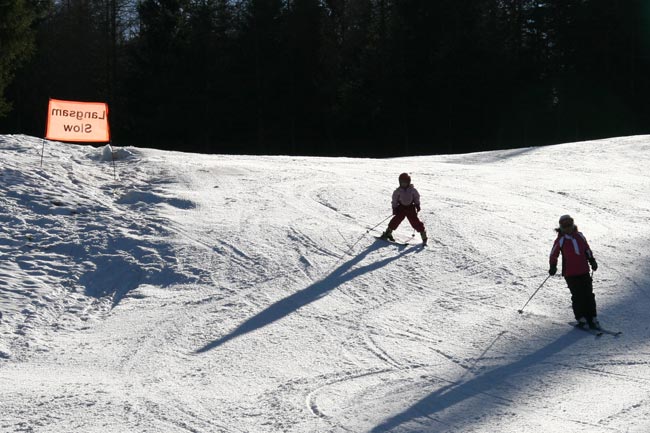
[
  {"x": 576, "y": 258},
  {"x": 406, "y": 204}
]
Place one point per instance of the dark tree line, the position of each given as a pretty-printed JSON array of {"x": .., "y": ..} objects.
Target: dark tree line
[
  {"x": 16, "y": 42},
  {"x": 355, "y": 77}
]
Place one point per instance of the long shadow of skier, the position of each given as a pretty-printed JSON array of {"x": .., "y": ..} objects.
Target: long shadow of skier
[
  {"x": 292, "y": 303},
  {"x": 454, "y": 394}
]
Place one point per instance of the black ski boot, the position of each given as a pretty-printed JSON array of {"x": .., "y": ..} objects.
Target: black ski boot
[
  {"x": 387, "y": 235},
  {"x": 593, "y": 323}
]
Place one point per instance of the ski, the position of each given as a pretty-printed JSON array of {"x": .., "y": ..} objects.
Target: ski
[
  {"x": 607, "y": 331},
  {"x": 596, "y": 332},
  {"x": 392, "y": 242}
]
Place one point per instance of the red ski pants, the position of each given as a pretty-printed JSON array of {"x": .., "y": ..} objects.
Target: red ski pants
[{"x": 406, "y": 212}]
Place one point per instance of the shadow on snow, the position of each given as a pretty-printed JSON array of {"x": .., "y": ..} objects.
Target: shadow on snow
[
  {"x": 453, "y": 395},
  {"x": 456, "y": 393},
  {"x": 294, "y": 302}
]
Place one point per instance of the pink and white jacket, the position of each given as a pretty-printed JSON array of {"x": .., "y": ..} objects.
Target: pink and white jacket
[
  {"x": 575, "y": 254},
  {"x": 406, "y": 196}
]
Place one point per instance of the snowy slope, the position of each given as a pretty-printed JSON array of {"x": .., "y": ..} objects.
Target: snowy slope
[{"x": 244, "y": 294}]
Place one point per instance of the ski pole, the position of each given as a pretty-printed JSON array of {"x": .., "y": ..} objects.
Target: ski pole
[
  {"x": 531, "y": 297},
  {"x": 382, "y": 221}
]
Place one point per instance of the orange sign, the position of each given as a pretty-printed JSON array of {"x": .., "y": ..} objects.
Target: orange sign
[{"x": 77, "y": 121}]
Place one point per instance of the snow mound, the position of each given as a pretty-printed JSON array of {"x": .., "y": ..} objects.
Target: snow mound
[
  {"x": 110, "y": 153},
  {"x": 72, "y": 249}
]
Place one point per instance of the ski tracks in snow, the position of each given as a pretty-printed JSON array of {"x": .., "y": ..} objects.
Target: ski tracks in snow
[{"x": 261, "y": 303}]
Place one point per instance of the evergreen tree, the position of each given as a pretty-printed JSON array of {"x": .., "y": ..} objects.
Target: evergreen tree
[{"x": 16, "y": 42}]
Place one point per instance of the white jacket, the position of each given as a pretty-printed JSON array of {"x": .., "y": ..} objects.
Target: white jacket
[{"x": 406, "y": 196}]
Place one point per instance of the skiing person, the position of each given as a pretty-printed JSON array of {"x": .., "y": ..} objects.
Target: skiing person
[
  {"x": 576, "y": 259},
  {"x": 406, "y": 204}
]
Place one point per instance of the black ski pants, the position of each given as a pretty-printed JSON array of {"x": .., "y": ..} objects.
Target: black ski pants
[{"x": 583, "y": 300}]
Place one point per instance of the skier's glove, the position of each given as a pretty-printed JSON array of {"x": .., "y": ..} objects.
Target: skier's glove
[
  {"x": 553, "y": 270},
  {"x": 417, "y": 207},
  {"x": 594, "y": 265},
  {"x": 395, "y": 210}
]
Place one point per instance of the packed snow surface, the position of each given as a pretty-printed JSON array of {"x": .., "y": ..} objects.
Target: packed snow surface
[{"x": 175, "y": 292}]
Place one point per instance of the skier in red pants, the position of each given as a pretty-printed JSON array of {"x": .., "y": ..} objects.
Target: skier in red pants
[{"x": 406, "y": 204}]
